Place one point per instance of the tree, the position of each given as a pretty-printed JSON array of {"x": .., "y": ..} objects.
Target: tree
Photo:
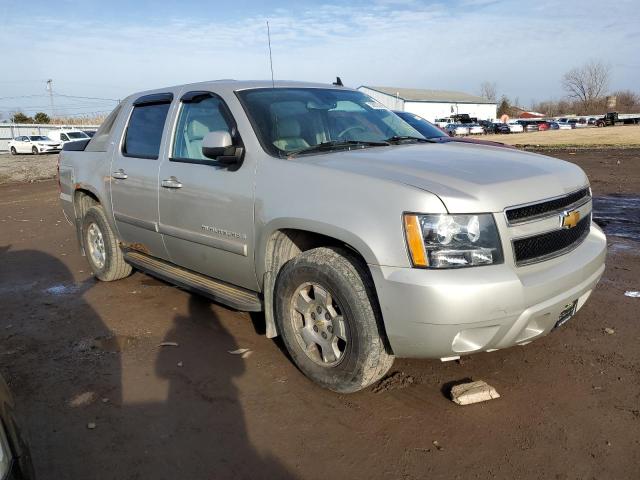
[
  {"x": 588, "y": 83},
  {"x": 505, "y": 107},
  {"x": 41, "y": 117},
  {"x": 488, "y": 90},
  {"x": 19, "y": 117}
]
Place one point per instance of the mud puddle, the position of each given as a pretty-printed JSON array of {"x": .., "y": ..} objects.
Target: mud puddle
[{"x": 618, "y": 215}]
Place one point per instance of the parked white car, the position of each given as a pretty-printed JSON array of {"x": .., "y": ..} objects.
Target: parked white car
[
  {"x": 65, "y": 136},
  {"x": 515, "y": 127},
  {"x": 456, "y": 129},
  {"x": 475, "y": 129},
  {"x": 35, "y": 144},
  {"x": 567, "y": 123}
]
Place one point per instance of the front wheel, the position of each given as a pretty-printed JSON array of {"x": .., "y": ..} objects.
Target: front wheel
[
  {"x": 13, "y": 151},
  {"x": 328, "y": 315},
  {"x": 35, "y": 151},
  {"x": 101, "y": 247}
]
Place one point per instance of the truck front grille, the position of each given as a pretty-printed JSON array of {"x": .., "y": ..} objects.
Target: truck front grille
[
  {"x": 546, "y": 208},
  {"x": 547, "y": 245}
]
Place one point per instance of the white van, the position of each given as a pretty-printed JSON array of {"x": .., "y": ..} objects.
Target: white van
[
  {"x": 65, "y": 136},
  {"x": 443, "y": 122}
]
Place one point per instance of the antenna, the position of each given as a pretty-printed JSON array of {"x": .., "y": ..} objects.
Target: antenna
[{"x": 273, "y": 85}]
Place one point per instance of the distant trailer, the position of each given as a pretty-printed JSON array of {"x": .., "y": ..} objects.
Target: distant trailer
[{"x": 615, "y": 118}]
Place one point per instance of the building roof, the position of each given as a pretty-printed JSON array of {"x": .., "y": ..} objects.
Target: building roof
[{"x": 422, "y": 95}]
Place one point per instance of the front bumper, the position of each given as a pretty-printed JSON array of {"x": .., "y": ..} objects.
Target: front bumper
[
  {"x": 447, "y": 313},
  {"x": 48, "y": 149}
]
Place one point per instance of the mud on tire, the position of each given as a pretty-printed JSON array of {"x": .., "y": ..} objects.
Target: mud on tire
[
  {"x": 101, "y": 247},
  {"x": 363, "y": 358}
]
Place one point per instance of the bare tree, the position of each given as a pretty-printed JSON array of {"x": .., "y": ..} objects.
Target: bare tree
[
  {"x": 627, "y": 101},
  {"x": 587, "y": 83},
  {"x": 489, "y": 91}
]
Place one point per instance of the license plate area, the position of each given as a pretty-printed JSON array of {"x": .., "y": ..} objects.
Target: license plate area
[{"x": 567, "y": 312}]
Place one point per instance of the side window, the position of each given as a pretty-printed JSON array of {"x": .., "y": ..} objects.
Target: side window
[
  {"x": 63, "y": 137},
  {"x": 199, "y": 116},
  {"x": 144, "y": 132},
  {"x": 99, "y": 141}
]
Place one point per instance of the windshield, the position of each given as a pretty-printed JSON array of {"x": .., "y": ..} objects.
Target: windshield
[
  {"x": 39, "y": 138},
  {"x": 290, "y": 120},
  {"x": 77, "y": 135},
  {"x": 426, "y": 128}
]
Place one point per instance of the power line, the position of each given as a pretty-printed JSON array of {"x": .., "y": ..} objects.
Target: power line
[
  {"x": 87, "y": 98},
  {"x": 60, "y": 95},
  {"x": 25, "y": 96},
  {"x": 58, "y": 107}
]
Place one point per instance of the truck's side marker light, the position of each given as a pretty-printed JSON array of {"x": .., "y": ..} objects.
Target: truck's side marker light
[{"x": 415, "y": 241}]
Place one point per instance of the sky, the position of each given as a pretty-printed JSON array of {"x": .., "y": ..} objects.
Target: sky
[{"x": 108, "y": 50}]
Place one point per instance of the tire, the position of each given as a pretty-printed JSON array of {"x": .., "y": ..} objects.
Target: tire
[
  {"x": 13, "y": 151},
  {"x": 349, "y": 315},
  {"x": 107, "y": 263},
  {"x": 35, "y": 151}
]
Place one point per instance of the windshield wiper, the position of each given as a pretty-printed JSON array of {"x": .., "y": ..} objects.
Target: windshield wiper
[
  {"x": 402, "y": 138},
  {"x": 337, "y": 144}
]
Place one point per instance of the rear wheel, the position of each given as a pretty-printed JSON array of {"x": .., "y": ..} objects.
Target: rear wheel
[
  {"x": 101, "y": 247},
  {"x": 330, "y": 321},
  {"x": 35, "y": 150}
]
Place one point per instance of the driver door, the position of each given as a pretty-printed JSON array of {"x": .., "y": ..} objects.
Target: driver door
[{"x": 206, "y": 208}]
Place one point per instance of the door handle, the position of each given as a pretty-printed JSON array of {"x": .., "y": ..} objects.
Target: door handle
[
  {"x": 171, "y": 182},
  {"x": 119, "y": 175}
]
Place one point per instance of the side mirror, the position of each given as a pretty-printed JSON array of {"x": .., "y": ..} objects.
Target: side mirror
[{"x": 218, "y": 145}]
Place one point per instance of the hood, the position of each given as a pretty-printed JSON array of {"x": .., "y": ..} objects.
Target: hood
[
  {"x": 468, "y": 178},
  {"x": 476, "y": 141}
]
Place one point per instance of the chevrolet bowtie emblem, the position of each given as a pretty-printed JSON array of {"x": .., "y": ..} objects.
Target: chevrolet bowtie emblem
[{"x": 570, "y": 219}]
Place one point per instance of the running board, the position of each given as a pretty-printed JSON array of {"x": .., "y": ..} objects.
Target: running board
[{"x": 217, "y": 290}]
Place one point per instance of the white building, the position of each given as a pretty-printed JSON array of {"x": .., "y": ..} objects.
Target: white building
[{"x": 432, "y": 104}]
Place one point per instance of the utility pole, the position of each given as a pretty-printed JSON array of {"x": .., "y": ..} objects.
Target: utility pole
[{"x": 50, "y": 88}]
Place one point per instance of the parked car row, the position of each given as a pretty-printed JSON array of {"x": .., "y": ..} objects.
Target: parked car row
[
  {"x": 534, "y": 125},
  {"x": 460, "y": 125},
  {"x": 432, "y": 132},
  {"x": 51, "y": 143}
]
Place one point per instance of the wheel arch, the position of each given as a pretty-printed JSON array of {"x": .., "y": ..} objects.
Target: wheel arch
[
  {"x": 83, "y": 199},
  {"x": 307, "y": 235},
  {"x": 284, "y": 241}
]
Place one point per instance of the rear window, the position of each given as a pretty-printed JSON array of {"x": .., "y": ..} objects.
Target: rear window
[
  {"x": 144, "y": 132},
  {"x": 77, "y": 135}
]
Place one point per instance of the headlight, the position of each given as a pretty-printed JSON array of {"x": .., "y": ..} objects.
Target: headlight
[
  {"x": 452, "y": 241},
  {"x": 5, "y": 453}
]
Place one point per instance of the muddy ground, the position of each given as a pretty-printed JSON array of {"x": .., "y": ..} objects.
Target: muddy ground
[
  {"x": 27, "y": 168},
  {"x": 77, "y": 351}
]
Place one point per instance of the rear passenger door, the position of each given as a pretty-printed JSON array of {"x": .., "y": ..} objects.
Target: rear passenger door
[
  {"x": 206, "y": 208},
  {"x": 134, "y": 175}
]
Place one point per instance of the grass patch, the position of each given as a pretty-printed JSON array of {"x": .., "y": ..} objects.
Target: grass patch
[{"x": 624, "y": 136}]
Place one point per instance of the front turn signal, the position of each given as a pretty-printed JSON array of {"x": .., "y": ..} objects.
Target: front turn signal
[{"x": 415, "y": 242}]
